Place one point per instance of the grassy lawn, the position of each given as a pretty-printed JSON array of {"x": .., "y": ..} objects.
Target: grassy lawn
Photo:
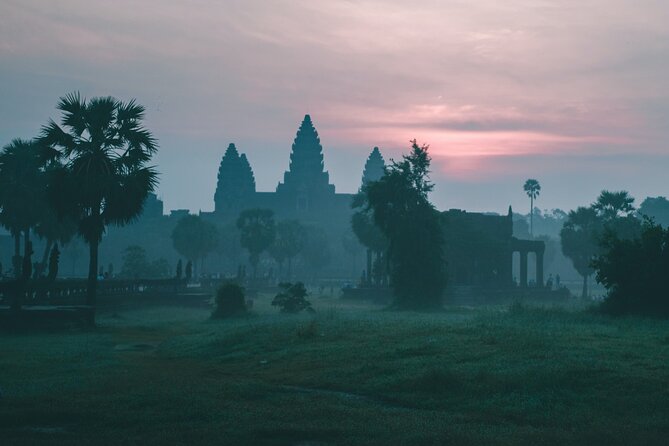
[{"x": 348, "y": 375}]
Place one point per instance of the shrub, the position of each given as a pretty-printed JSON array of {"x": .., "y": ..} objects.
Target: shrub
[
  {"x": 634, "y": 271},
  {"x": 229, "y": 300},
  {"x": 292, "y": 298}
]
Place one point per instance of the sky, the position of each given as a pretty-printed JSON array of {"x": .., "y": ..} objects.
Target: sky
[{"x": 574, "y": 93}]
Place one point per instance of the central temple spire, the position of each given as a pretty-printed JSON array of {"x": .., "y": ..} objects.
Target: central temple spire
[{"x": 306, "y": 178}]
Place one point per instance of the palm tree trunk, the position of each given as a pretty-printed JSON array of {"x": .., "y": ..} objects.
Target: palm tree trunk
[
  {"x": 92, "y": 273},
  {"x": 584, "y": 292},
  {"x": 290, "y": 268},
  {"x": 532, "y": 216}
]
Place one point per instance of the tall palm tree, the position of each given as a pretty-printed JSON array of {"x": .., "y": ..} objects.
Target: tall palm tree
[
  {"x": 106, "y": 150},
  {"x": 532, "y": 188}
]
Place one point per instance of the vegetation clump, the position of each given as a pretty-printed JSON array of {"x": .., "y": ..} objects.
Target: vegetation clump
[
  {"x": 229, "y": 301},
  {"x": 634, "y": 270},
  {"x": 292, "y": 298}
]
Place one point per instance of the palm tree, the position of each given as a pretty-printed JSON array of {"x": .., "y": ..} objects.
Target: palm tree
[
  {"x": 106, "y": 150},
  {"x": 22, "y": 193},
  {"x": 612, "y": 205},
  {"x": 532, "y": 188}
]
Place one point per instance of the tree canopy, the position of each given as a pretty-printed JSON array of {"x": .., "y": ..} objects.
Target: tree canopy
[{"x": 400, "y": 208}]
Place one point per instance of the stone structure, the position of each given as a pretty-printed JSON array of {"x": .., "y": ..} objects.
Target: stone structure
[
  {"x": 479, "y": 250},
  {"x": 305, "y": 192},
  {"x": 374, "y": 167}
]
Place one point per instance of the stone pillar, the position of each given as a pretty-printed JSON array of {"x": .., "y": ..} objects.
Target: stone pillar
[
  {"x": 523, "y": 269},
  {"x": 540, "y": 269}
]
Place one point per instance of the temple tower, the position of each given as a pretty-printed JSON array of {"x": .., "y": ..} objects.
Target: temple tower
[
  {"x": 306, "y": 186},
  {"x": 374, "y": 167},
  {"x": 236, "y": 183}
]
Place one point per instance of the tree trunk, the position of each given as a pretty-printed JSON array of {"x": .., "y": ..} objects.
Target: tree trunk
[
  {"x": 92, "y": 273},
  {"x": 17, "y": 261},
  {"x": 531, "y": 216},
  {"x": 290, "y": 268},
  {"x": 584, "y": 293}
]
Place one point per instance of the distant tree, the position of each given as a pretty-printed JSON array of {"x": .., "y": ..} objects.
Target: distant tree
[
  {"x": 401, "y": 209},
  {"x": 580, "y": 241},
  {"x": 229, "y": 301},
  {"x": 135, "y": 263},
  {"x": 532, "y": 188},
  {"x": 22, "y": 193},
  {"x": 257, "y": 233},
  {"x": 289, "y": 241},
  {"x": 634, "y": 271},
  {"x": 159, "y": 269},
  {"x": 194, "y": 238},
  {"x": 54, "y": 257},
  {"x": 106, "y": 150},
  {"x": 316, "y": 253},
  {"x": 292, "y": 298},
  {"x": 368, "y": 234},
  {"x": 612, "y": 205},
  {"x": 656, "y": 208},
  {"x": 352, "y": 247},
  {"x": 189, "y": 271},
  {"x": 179, "y": 270}
]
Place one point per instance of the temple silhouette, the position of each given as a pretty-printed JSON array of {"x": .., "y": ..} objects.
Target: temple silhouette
[
  {"x": 305, "y": 193},
  {"x": 479, "y": 247}
]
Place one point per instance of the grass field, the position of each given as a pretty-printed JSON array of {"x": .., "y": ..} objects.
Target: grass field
[{"x": 348, "y": 375}]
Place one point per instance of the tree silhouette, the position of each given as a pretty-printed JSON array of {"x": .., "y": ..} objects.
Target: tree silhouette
[
  {"x": 656, "y": 208},
  {"x": 532, "y": 188},
  {"x": 580, "y": 241},
  {"x": 194, "y": 238},
  {"x": 401, "y": 209},
  {"x": 316, "y": 252},
  {"x": 257, "y": 232},
  {"x": 106, "y": 150},
  {"x": 634, "y": 271},
  {"x": 22, "y": 193},
  {"x": 369, "y": 235},
  {"x": 288, "y": 243},
  {"x": 612, "y": 205}
]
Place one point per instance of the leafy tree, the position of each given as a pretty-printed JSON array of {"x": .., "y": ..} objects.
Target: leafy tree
[
  {"x": 401, "y": 209},
  {"x": 635, "y": 272},
  {"x": 22, "y": 193},
  {"x": 292, "y": 298},
  {"x": 316, "y": 252},
  {"x": 194, "y": 238},
  {"x": 288, "y": 243},
  {"x": 257, "y": 233},
  {"x": 229, "y": 300},
  {"x": 613, "y": 205},
  {"x": 106, "y": 150},
  {"x": 580, "y": 241},
  {"x": 135, "y": 263},
  {"x": 368, "y": 233},
  {"x": 532, "y": 188},
  {"x": 656, "y": 208}
]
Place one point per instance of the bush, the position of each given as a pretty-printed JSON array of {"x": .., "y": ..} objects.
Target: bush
[
  {"x": 292, "y": 298},
  {"x": 229, "y": 300},
  {"x": 635, "y": 271}
]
